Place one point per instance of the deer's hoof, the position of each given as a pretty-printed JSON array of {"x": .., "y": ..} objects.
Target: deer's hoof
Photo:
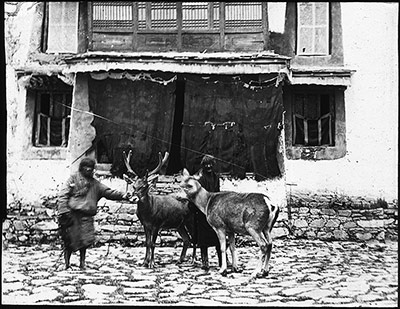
[
  {"x": 223, "y": 273},
  {"x": 205, "y": 267},
  {"x": 237, "y": 269},
  {"x": 262, "y": 274},
  {"x": 146, "y": 264}
]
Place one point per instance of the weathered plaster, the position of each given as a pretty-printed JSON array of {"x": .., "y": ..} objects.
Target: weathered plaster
[
  {"x": 80, "y": 139},
  {"x": 370, "y": 41},
  {"x": 370, "y": 166}
]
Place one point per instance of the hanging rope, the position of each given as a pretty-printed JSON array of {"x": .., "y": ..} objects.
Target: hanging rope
[{"x": 152, "y": 137}]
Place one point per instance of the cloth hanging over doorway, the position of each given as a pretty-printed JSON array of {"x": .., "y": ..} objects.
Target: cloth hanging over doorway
[
  {"x": 235, "y": 122},
  {"x": 136, "y": 113}
]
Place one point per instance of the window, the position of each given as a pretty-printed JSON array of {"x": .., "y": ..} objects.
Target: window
[
  {"x": 120, "y": 15},
  {"x": 195, "y": 15},
  {"x": 313, "y": 119},
  {"x": 62, "y": 27},
  {"x": 52, "y": 117},
  {"x": 112, "y": 15},
  {"x": 313, "y": 28},
  {"x": 243, "y": 15}
]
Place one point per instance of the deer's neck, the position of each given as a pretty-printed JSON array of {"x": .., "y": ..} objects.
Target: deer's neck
[{"x": 201, "y": 200}]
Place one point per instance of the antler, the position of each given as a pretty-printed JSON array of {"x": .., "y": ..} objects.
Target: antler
[
  {"x": 126, "y": 160},
  {"x": 161, "y": 162}
]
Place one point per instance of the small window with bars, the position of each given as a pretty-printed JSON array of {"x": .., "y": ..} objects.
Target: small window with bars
[
  {"x": 198, "y": 15},
  {"x": 313, "y": 28},
  {"x": 112, "y": 15},
  {"x": 313, "y": 119},
  {"x": 52, "y": 118},
  {"x": 163, "y": 15},
  {"x": 243, "y": 15}
]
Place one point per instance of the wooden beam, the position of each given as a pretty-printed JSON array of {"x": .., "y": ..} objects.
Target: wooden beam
[
  {"x": 83, "y": 27},
  {"x": 90, "y": 25},
  {"x": 148, "y": 15},
  {"x": 135, "y": 25},
  {"x": 222, "y": 25},
  {"x": 265, "y": 24},
  {"x": 45, "y": 26},
  {"x": 210, "y": 17},
  {"x": 179, "y": 18}
]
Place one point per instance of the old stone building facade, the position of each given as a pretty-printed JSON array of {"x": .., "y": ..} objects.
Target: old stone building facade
[{"x": 298, "y": 100}]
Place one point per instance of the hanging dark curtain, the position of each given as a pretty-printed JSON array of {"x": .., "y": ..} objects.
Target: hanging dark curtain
[
  {"x": 139, "y": 117},
  {"x": 227, "y": 117}
]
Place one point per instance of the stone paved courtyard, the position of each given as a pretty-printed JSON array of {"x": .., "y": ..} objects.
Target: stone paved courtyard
[{"x": 303, "y": 273}]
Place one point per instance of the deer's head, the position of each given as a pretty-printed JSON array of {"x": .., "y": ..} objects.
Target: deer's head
[
  {"x": 190, "y": 184},
  {"x": 141, "y": 185}
]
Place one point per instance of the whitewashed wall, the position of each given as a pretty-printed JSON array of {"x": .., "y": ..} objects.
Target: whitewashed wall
[
  {"x": 370, "y": 38},
  {"x": 370, "y": 43}
]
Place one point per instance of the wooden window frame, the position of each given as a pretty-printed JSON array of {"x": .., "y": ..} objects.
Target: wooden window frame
[
  {"x": 39, "y": 115},
  {"x": 214, "y": 25},
  {"x": 318, "y": 118},
  {"x": 299, "y": 52},
  {"x": 312, "y": 152}
]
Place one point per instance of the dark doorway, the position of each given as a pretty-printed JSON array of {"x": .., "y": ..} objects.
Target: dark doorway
[{"x": 175, "y": 165}]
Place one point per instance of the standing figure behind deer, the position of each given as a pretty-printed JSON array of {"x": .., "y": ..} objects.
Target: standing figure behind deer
[
  {"x": 158, "y": 212},
  {"x": 204, "y": 235},
  {"x": 232, "y": 212}
]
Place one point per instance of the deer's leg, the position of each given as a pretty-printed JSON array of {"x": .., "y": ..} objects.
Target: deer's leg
[
  {"x": 194, "y": 254},
  {"x": 153, "y": 240},
  {"x": 222, "y": 241},
  {"x": 265, "y": 265},
  {"x": 82, "y": 256},
  {"x": 268, "y": 240},
  {"x": 218, "y": 249},
  {"x": 67, "y": 257},
  {"x": 186, "y": 243},
  {"x": 147, "y": 256},
  {"x": 232, "y": 248},
  {"x": 262, "y": 243},
  {"x": 204, "y": 258}
]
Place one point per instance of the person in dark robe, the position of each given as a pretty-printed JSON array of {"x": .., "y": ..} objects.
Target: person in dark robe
[
  {"x": 77, "y": 206},
  {"x": 204, "y": 235}
]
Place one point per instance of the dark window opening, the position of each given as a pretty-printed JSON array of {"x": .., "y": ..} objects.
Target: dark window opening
[
  {"x": 313, "y": 119},
  {"x": 52, "y": 117}
]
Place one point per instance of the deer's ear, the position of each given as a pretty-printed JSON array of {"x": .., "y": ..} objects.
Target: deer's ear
[{"x": 185, "y": 172}]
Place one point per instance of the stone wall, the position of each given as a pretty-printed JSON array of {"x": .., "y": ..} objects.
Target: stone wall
[
  {"x": 115, "y": 221},
  {"x": 334, "y": 217},
  {"x": 313, "y": 216}
]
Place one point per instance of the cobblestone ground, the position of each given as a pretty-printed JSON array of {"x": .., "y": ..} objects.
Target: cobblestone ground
[{"x": 303, "y": 273}]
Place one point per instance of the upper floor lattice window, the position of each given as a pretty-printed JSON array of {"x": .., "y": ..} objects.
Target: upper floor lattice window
[
  {"x": 243, "y": 15},
  {"x": 124, "y": 15}
]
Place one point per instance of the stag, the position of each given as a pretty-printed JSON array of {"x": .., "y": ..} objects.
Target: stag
[
  {"x": 158, "y": 212},
  {"x": 232, "y": 212}
]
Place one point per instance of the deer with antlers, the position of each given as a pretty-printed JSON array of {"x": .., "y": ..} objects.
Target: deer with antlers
[
  {"x": 158, "y": 212},
  {"x": 232, "y": 212}
]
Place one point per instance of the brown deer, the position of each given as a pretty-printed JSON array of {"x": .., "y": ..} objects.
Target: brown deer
[
  {"x": 232, "y": 212},
  {"x": 158, "y": 212}
]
